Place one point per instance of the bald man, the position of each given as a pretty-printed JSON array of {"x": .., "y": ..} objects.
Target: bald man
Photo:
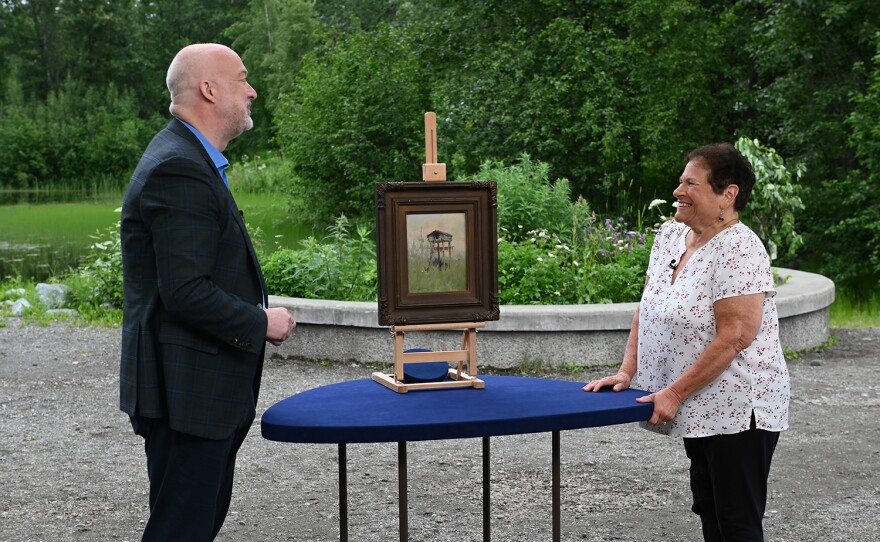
[{"x": 196, "y": 315}]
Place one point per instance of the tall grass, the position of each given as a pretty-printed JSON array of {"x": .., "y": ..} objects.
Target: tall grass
[{"x": 852, "y": 310}]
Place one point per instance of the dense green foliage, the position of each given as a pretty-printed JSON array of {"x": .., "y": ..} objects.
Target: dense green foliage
[
  {"x": 855, "y": 231},
  {"x": 551, "y": 250},
  {"x": 609, "y": 94},
  {"x": 575, "y": 258},
  {"x": 774, "y": 201},
  {"x": 340, "y": 266},
  {"x": 529, "y": 201},
  {"x": 99, "y": 280},
  {"x": 343, "y": 142}
]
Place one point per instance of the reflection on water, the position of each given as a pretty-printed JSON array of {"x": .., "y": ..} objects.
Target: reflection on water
[
  {"x": 44, "y": 233},
  {"x": 38, "y": 261}
]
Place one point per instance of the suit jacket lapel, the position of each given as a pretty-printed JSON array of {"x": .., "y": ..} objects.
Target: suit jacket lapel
[{"x": 178, "y": 128}]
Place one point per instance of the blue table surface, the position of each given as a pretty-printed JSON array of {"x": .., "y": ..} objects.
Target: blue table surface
[{"x": 366, "y": 411}]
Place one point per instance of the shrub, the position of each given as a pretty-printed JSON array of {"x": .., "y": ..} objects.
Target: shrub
[
  {"x": 348, "y": 123},
  {"x": 266, "y": 173},
  {"x": 576, "y": 258},
  {"x": 341, "y": 266},
  {"x": 530, "y": 273},
  {"x": 775, "y": 199},
  {"x": 528, "y": 201},
  {"x": 605, "y": 262},
  {"x": 99, "y": 280}
]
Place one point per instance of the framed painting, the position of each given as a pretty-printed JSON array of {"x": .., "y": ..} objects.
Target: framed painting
[{"x": 437, "y": 252}]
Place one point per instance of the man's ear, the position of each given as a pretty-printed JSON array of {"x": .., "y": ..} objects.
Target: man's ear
[{"x": 207, "y": 90}]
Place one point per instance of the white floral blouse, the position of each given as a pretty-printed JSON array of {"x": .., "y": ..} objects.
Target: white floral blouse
[{"x": 677, "y": 322}]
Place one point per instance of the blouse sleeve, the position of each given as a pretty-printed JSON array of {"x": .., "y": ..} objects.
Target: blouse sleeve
[{"x": 742, "y": 267}]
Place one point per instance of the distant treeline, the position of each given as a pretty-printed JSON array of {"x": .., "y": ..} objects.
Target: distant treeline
[{"x": 610, "y": 93}]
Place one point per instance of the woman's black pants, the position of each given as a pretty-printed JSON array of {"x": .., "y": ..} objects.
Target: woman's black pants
[{"x": 729, "y": 483}]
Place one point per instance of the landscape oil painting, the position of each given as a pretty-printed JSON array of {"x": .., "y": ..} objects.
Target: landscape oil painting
[{"x": 436, "y": 252}]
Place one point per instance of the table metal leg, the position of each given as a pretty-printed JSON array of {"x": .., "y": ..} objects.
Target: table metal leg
[
  {"x": 556, "y": 484},
  {"x": 402, "y": 491},
  {"x": 487, "y": 527},
  {"x": 343, "y": 493}
]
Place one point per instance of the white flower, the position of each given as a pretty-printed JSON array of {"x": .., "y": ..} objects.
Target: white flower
[
  {"x": 576, "y": 264},
  {"x": 540, "y": 259},
  {"x": 551, "y": 254},
  {"x": 557, "y": 293},
  {"x": 655, "y": 203}
]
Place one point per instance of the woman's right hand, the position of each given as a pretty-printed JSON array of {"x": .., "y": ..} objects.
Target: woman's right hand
[{"x": 617, "y": 382}]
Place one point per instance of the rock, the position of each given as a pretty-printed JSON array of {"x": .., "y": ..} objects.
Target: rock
[
  {"x": 53, "y": 296},
  {"x": 20, "y": 306},
  {"x": 14, "y": 292}
]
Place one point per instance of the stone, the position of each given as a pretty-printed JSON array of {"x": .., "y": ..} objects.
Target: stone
[
  {"x": 14, "y": 292},
  {"x": 53, "y": 296},
  {"x": 20, "y": 306}
]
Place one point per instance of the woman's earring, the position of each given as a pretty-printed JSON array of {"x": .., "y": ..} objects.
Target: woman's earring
[{"x": 721, "y": 216}]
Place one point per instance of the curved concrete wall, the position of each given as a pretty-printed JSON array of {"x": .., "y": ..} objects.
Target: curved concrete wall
[{"x": 554, "y": 335}]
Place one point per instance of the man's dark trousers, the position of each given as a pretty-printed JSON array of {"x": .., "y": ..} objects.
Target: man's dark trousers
[{"x": 190, "y": 480}]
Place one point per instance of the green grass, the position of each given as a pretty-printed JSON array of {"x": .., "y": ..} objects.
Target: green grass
[
  {"x": 849, "y": 310},
  {"x": 64, "y": 221},
  {"x": 424, "y": 279},
  {"x": 41, "y": 240},
  {"x": 269, "y": 212}
]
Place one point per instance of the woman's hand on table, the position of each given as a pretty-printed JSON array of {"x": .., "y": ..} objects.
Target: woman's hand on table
[
  {"x": 666, "y": 404},
  {"x": 616, "y": 382}
]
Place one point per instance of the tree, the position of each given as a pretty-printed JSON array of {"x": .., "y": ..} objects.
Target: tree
[
  {"x": 810, "y": 59},
  {"x": 353, "y": 119},
  {"x": 856, "y": 261},
  {"x": 774, "y": 200},
  {"x": 272, "y": 41},
  {"x": 611, "y": 94}
]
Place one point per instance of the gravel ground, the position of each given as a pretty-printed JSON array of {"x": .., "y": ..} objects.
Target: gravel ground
[{"x": 72, "y": 470}]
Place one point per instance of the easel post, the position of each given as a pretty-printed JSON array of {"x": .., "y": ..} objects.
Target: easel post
[{"x": 431, "y": 170}]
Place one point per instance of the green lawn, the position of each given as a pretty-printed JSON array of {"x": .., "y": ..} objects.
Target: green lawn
[{"x": 850, "y": 311}]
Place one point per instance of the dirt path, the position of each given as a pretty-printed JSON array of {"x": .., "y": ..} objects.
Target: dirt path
[{"x": 70, "y": 468}]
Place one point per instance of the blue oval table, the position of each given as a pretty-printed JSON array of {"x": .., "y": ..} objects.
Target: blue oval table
[{"x": 364, "y": 411}]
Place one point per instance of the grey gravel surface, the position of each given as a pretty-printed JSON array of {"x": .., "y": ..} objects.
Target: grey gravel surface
[{"x": 71, "y": 469}]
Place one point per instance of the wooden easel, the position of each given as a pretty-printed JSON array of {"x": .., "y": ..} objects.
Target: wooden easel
[
  {"x": 467, "y": 354},
  {"x": 458, "y": 377}
]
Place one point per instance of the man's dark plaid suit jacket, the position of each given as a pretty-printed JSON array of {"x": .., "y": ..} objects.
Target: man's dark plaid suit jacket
[{"x": 194, "y": 328}]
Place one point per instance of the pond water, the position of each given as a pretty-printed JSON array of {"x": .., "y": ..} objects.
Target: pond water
[{"x": 45, "y": 233}]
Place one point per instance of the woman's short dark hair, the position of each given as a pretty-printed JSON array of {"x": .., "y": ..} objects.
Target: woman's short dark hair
[{"x": 726, "y": 166}]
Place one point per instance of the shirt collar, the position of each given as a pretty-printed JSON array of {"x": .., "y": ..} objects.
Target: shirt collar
[{"x": 220, "y": 161}]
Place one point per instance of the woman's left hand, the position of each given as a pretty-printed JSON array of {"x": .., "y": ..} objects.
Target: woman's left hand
[{"x": 666, "y": 403}]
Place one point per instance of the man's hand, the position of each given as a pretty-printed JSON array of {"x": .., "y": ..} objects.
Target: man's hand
[{"x": 281, "y": 325}]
